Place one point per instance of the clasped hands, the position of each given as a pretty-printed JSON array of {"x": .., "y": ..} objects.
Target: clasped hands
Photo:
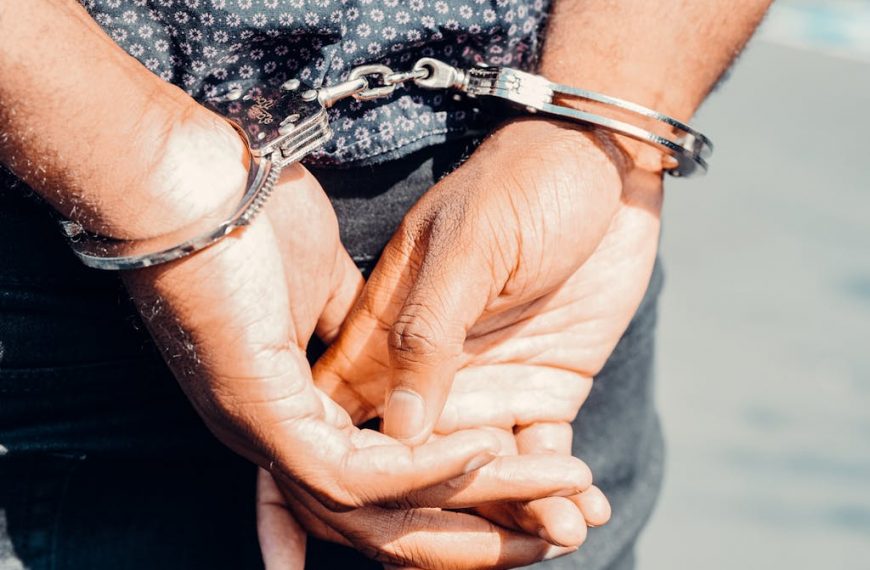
[{"x": 476, "y": 338}]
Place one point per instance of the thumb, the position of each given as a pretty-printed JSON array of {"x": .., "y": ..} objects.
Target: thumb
[{"x": 447, "y": 296}]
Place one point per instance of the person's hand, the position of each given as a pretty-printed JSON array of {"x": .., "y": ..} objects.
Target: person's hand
[
  {"x": 565, "y": 332},
  {"x": 532, "y": 407},
  {"x": 282, "y": 539},
  {"x": 495, "y": 264},
  {"x": 233, "y": 322},
  {"x": 410, "y": 537}
]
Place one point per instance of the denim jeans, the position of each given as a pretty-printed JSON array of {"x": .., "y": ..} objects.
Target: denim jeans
[{"x": 104, "y": 463}]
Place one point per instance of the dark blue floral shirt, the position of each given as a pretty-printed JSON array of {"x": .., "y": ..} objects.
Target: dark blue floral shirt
[{"x": 204, "y": 46}]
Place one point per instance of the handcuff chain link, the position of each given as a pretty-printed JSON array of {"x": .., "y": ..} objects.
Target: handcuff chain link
[
  {"x": 686, "y": 149},
  {"x": 359, "y": 84}
]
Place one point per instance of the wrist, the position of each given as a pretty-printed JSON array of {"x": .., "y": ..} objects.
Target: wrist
[
  {"x": 573, "y": 142},
  {"x": 195, "y": 173},
  {"x": 199, "y": 176},
  {"x": 570, "y": 145}
]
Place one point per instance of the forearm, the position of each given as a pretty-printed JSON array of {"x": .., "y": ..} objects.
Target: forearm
[
  {"x": 100, "y": 137},
  {"x": 664, "y": 54}
]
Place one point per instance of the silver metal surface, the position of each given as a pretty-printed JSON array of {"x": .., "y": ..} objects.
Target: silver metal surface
[
  {"x": 264, "y": 113},
  {"x": 291, "y": 85},
  {"x": 101, "y": 252},
  {"x": 283, "y": 125},
  {"x": 359, "y": 87},
  {"x": 272, "y": 145},
  {"x": 440, "y": 75},
  {"x": 685, "y": 149},
  {"x": 328, "y": 96},
  {"x": 369, "y": 92}
]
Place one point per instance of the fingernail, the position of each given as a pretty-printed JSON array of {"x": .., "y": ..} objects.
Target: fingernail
[
  {"x": 405, "y": 414},
  {"x": 479, "y": 461},
  {"x": 556, "y": 551}
]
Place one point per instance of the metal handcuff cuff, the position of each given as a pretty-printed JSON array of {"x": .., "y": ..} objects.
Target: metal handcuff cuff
[{"x": 283, "y": 125}]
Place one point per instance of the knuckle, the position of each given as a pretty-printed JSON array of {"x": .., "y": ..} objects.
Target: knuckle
[{"x": 415, "y": 336}]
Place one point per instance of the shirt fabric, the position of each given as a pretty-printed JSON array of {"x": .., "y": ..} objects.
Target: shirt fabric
[{"x": 207, "y": 46}]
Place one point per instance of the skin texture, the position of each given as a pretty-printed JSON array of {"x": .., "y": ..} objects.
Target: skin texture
[
  {"x": 469, "y": 283},
  {"x": 233, "y": 322},
  {"x": 495, "y": 263},
  {"x": 534, "y": 351},
  {"x": 99, "y": 137}
]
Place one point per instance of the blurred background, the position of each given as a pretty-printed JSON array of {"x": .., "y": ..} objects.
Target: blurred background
[{"x": 764, "y": 354}]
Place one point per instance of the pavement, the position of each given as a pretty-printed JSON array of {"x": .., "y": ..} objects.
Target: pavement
[{"x": 764, "y": 345}]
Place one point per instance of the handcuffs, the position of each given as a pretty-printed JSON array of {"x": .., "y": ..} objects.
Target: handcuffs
[{"x": 283, "y": 125}]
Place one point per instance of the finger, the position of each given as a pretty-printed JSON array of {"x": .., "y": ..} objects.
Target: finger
[
  {"x": 558, "y": 520},
  {"x": 444, "y": 539},
  {"x": 334, "y": 414},
  {"x": 565, "y": 524},
  {"x": 386, "y": 473},
  {"x": 354, "y": 370},
  {"x": 539, "y": 438},
  {"x": 447, "y": 295},
  {"x": 594, "y": 506},
  {"x": 313, "y": 524},
  {"x": 433, "y": 539},
  {"x": 507, "y": 443},
  {"x": 282, "y": 540},
  {"x": 508, "y": 395},
  {"x": 508, "y": 477},
  {"x": 544, "y": 437},
  {"x": 361, "y": 399},
  {"x": 334, "y": 464},
  {"x": 347, "y": 286},
  {"x": 515, "y": 478}
]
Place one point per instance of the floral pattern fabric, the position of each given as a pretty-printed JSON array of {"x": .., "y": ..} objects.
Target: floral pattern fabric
[{"x": 205, "y": 46}]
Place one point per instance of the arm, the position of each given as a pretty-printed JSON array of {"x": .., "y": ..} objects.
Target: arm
[
  {"x": 503, "y": 230},
  {"x": 666, "y": 55},
  {"x": 101, "y": 138},
  {"x": 118, "y": 150},
  {"x": 537, "y": 251}
]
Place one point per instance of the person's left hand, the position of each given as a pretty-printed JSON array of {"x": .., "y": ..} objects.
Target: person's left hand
[
  {"x": 485, "y": 254},
  {"x": 541, "y": 317}
]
